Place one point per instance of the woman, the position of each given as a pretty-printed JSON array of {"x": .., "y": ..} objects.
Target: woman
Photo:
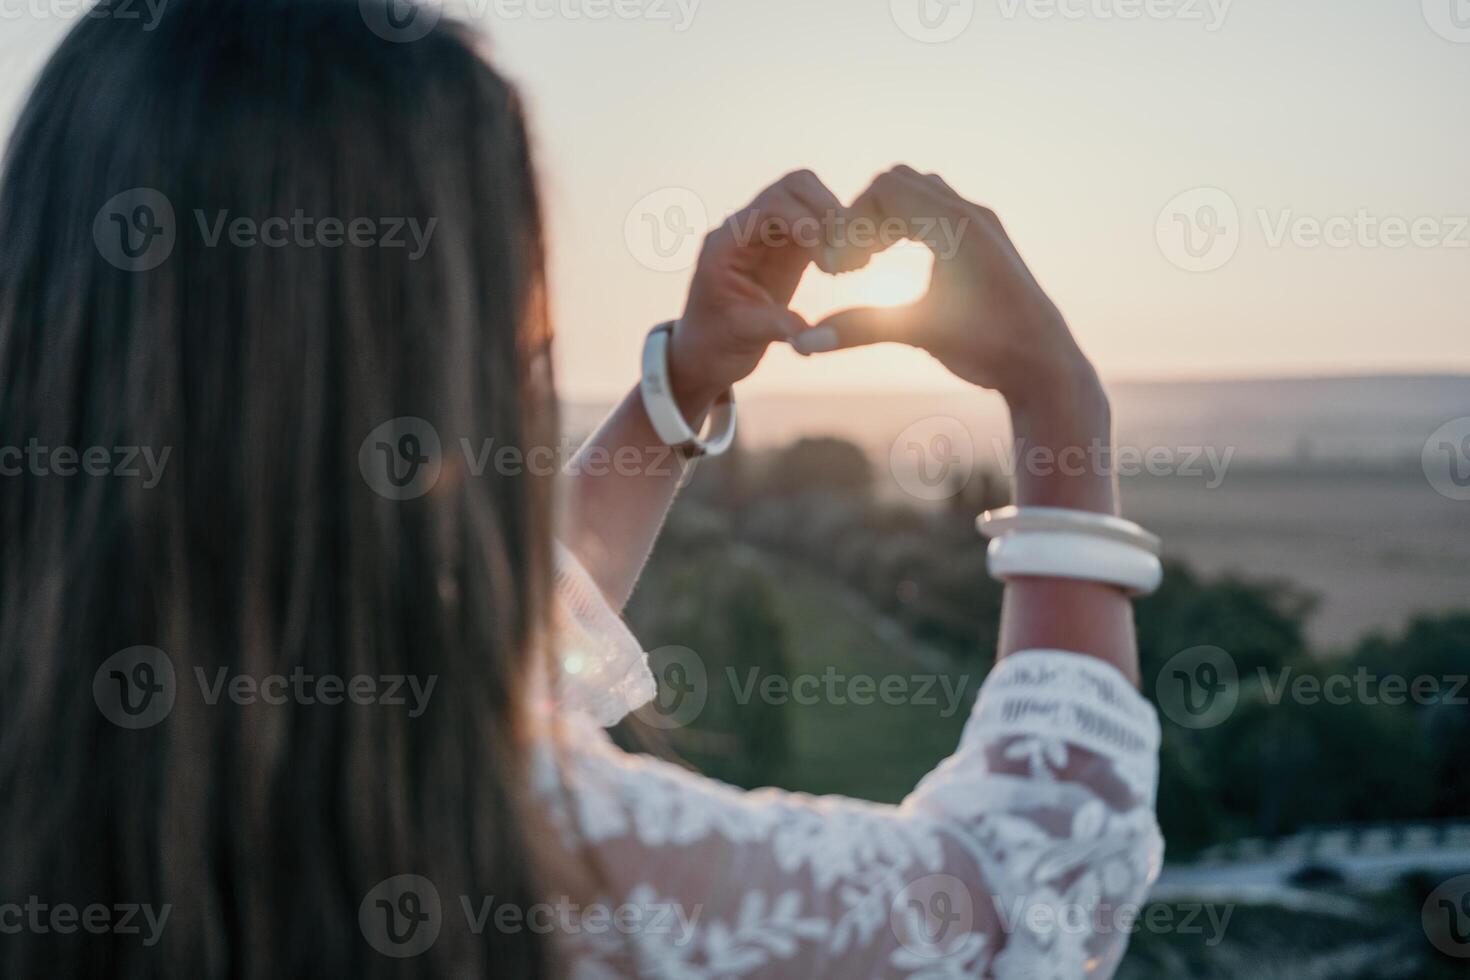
[{"x": 198, "y": 268}]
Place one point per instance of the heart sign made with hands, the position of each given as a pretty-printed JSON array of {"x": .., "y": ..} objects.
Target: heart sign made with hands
[{"x": 980, "y": 312}]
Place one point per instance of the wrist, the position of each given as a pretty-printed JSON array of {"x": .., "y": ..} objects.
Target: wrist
[
  {"x": 694, "y": 394},
  {"x": 1057, "y": 387},
  {"x": 1062, "y": 434},
  {"x": 1064, "y": 399}
]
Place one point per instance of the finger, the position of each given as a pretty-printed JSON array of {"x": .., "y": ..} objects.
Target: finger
[
  {"x": 805, "y": 186},
  {"x": 781, "y": 325},
  {"x": 986, "y": 219},
  {"x": 899, "y": 205},
  {"x": 786, "y": 209},
  {"x": 777, "y": 219},
  {"x": 940, "y": 182},
  {"x": 808, "y": 188},
  {"x": 891, "y": 205},
  {"x": 859, "y": 328},
  {"x": 778, "y": 235}
]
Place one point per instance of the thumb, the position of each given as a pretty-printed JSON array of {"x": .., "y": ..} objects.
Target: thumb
[{"x": 858, "y": 328}]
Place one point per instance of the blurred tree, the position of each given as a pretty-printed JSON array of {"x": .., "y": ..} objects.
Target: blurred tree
[
  {"x": 984, "y": 490},
  {"x": 1435, "y": 649},
  {"x": 1262, "y": 624},
  {"x": 697, "y": 594},
  {"x": 816, "y": 465},
  {"x": 721, "y": 481}
]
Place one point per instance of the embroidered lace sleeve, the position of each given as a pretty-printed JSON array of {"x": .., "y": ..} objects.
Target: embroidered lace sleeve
[{"x": 1025, "y": 854}]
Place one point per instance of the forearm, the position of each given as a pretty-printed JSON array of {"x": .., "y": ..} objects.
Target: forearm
[
  {"x": 1063, "y": 438},
  {"x": 618, "y": 492}
]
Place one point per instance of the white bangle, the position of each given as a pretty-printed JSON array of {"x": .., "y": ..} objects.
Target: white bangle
[
  {"x": 1074, "y": 555},
  {"x": 668, "y": 421},
  {"x": 1009, "y": 520},
  {"x": 1057, "y": 542}
]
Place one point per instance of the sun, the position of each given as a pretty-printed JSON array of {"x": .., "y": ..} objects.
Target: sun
[{"x": 897, "y": 277}]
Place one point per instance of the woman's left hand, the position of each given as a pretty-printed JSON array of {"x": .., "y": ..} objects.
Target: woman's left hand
[{"x": 748, "y": 269}]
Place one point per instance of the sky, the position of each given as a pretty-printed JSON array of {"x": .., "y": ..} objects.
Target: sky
[{"x": 1208, "y": 188}]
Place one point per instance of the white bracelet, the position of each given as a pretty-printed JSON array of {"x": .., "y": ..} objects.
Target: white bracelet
[
  {"x": 1009, "y": 520},
  {"x": 663, "y": 411},
  {"x": 1057, "y": 542},
  {"x": 1074, "y": 555}
]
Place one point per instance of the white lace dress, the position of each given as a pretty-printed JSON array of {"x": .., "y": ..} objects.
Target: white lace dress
[{"x": 1027, "y": 853}]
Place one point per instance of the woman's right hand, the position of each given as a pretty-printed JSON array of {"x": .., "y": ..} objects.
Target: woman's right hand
[
  {"x": 985, "y": 316},
  {"x": 748, "y": 270}
]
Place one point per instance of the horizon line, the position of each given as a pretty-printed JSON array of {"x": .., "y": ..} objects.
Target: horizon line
[{"x": 847, "y": 390}]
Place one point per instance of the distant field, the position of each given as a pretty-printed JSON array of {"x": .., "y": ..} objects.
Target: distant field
[{"x": 1376, "y": 547}]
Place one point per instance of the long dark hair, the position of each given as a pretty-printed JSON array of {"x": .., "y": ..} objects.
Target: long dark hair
[{"x": 138, "y": 317}]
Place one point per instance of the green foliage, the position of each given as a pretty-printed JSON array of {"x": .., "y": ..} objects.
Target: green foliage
[
  {"x": 1436, "y": 647},
  {"x": 697, "y": 595},
  {"x": 1261, "y": 623},
  {"x": 818, "y": 465}
]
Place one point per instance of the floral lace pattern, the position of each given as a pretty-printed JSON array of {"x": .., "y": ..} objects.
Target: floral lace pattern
[
  {"x": 1026, "y": 854},
  {"x": 603, "y": 672}
]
